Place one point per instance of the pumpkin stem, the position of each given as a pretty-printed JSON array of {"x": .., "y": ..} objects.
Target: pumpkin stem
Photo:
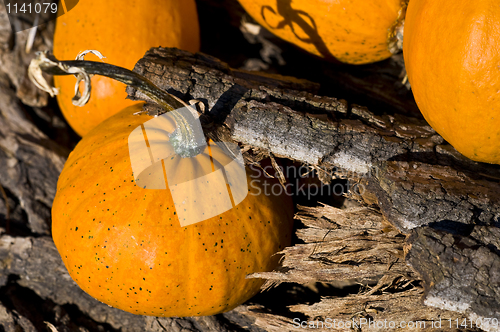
[
  {"x": 183, "y": 137},
  {"x": 395, "y": 34},
  {"x": 47, "y": 63}
]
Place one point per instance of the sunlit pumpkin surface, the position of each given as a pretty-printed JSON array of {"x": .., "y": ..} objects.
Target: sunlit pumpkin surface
[
  {"x": 124, "y": 245},
  {"x": 122, "y": 32},
  {"x": 452, "y": 56},
  {"x": 352, "y": 31}
]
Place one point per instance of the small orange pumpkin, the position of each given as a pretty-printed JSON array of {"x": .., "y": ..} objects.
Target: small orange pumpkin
[
  {"x": 125, "y": 246},
  {"x": 352, "y": 31},
  {"x": 452, "y": 57},
  {"x": 122, "y": 32}
]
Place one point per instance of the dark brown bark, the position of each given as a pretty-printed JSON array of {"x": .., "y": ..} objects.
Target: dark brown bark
[
  {"x": 414, "y": 194},
  {"x": 460, "y": 273}
]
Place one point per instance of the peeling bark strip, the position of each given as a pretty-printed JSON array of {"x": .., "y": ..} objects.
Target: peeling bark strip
[
  {"x": 341, "y": 244},
  {"x": 283, "y": 116}
]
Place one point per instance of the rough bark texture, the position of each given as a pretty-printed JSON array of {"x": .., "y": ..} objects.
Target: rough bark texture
[
  {"x": 414, "y": 194},
  {"x": 460, "y": 273},
  {"x": 419, "y": 220}
]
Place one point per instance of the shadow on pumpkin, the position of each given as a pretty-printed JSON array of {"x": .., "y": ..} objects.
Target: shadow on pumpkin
[{"x": 292, "y": 17}]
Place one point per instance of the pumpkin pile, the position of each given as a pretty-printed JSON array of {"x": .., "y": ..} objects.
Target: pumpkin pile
[{"x": 452, "y": 57}]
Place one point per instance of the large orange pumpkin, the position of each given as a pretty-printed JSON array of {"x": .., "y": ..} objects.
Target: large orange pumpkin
[
  {"x": 452, "y": 57},
  {"x": 125, "y": 246},
  {"x": 122, "y": 32},
  {"x": 352, "y": 31}
]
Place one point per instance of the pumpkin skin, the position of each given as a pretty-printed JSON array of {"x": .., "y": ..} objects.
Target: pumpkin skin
[
  {"x": 352, "y": 31},
  {"x": 452, "y": 57},
  {"x": 124, "y": 246},
  {"x": 122, "y": 32}
]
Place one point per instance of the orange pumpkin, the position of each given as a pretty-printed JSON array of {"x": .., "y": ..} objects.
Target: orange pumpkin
[
  {"x": 122, "y": 32},
  {"x": 352, "y": 31},
  {"x": 125, "y": 246},
  {"x": 452, "y": 57}
]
